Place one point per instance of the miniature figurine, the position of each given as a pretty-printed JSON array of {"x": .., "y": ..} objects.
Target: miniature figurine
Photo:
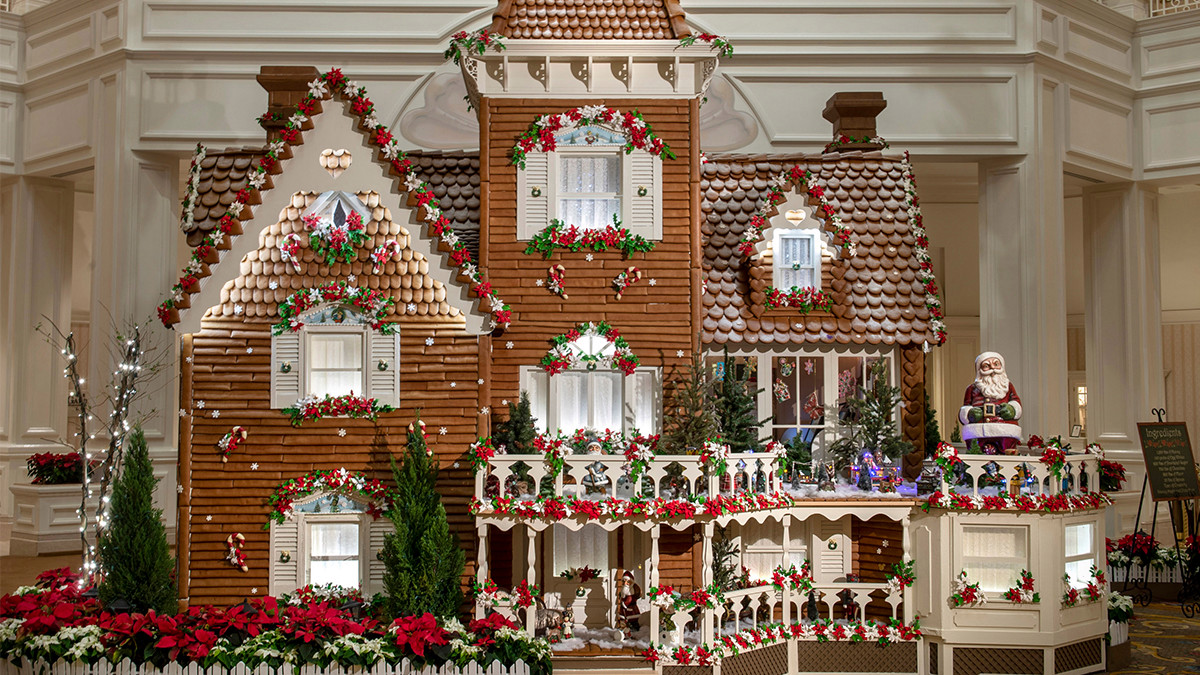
[
  {"x": 991, "y": 408},
  {"x": 629, "y": 614},
  {"x": 826, "y": 478}
]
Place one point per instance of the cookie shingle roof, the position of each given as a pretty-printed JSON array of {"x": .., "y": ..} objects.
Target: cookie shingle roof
[
  {"x": 877, "y": 295},
  {"x": 265, "y": 280},
  {"x": 590, "y": 19},
  {"x": 454, "y": 177}
]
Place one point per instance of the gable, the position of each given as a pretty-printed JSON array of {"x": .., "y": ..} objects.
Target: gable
[
  {"x": 300, "y": 170},
  {"x": 590, "y": 19}
]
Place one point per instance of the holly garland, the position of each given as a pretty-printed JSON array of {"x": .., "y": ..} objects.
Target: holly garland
[
  {"x": 671, "y": 600},
  {"x": 804, "y": 299},
  {"x": 330, "y": 85},
  {"x": 1023, "y": 593},
  {"x": 374, "y": 303},
  {"x": 231, "y": 441},
  {"x": 380, "y": 498},
  {"x": 715, "y": 456},
  {"x": 561, "y": 357},
  {"x": 823, "y": 630},
  {"x": 571, "y": 238},
  {"x": 953, "y": 501},
  {"x": 541, "y": 134},
  {"x": 843, "y": 140},
  {"x": 356, "y": 407},
  {"x": 334, "y": 242},
  {"x": 191, "y": 191},
  {"x": 477, "y": 42},
  {"x": 722, "y": 46},
  {"x": 903, "y": 575},
  {"x": 933, "y": 300},
  {"x": 639, "y": 450},
  {"x": 556, "y": 508},
  {"x": 800, "y": 581},
  {"x": 965, "y": 594}
]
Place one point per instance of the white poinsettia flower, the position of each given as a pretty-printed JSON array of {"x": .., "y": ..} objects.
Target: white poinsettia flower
[
  {"x": 544, "y": 120},
  {"x": 592, "y": 111},
  {"x": 297, "y": 119},
  {"x": 450, "y": 238},
  {"x": 317, "y": 88},
  {"x": 275, "y": 146},
  {"x": 370, "y": 122},
  {"x": 412, "y": 182},
  {"x": 565, "y": 121},
  {"x": 350, "y": 88},
  {"x": 218, "y": 238},
  {"x": 236, "y": 207},
  {"x": 391, "y": 150},
  {"x": 258, "y": 179},
  {"x": 432, "y": 212}
]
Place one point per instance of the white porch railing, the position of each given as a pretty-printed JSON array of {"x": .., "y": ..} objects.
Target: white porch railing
[
  {"x": 602, "y": 476},
  {"x": 1031, "y": 475},
  {"x": 128, "y": 667},
  {"x": 1165, "y": 7}
]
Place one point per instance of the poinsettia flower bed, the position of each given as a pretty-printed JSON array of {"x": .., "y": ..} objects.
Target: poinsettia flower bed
[
  {"x": 1025, "y": 503},
  {"x": 804, "y": 299},
  {"x": 882, "y": 632},
  {"x": 373, "y": 303},
  {"x": 557, "y": 508},
  {"x": 540, "y": 136},
  {"x": 380, "y": 498},
  {"x": 49, "y": 468},
  {"x": 572, "y": 238},
  {"x": 334, "y": 85},
  {"x": 54, "y": 623},
  {"x": 357, "y": 407}
]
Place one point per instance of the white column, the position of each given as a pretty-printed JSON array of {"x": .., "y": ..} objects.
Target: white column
[
  {"x": 1122, "y": 297},
  {"x": 1022, "y": 284},
  {"x": 652, "y": 580},
  {"x": 35, "y": 290},
  {"x": 481, "y": 556},
  {"x": 531, "y": 577},
  {"x": 706, "y": 578}
]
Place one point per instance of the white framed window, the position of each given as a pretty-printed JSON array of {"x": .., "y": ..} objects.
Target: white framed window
[
  {"x": 994, "y": 555},
  {"x": 334, "y": 552},
  {"x": 587, "y": 181},
  {"x": 334, "y": 360},
  {"x": 797, "y": 259},
  {"x": 585, "y": 547},
  {"x": 1079, "y": 552},
  {"x": 335, "y": 353},
  {"x": 595, "y": 399}
]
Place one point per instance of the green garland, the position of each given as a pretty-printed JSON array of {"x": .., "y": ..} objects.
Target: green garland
[{"x": 571, "y": 238}]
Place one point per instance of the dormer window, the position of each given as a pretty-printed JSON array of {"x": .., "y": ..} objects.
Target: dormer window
[
  {"x": 797, "y": 259},
  {"x": 587, "y": 181}
]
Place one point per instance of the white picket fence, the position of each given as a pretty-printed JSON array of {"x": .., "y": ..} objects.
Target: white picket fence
[
  {"x": 1173, "y": 575},
  {"x": 128, "y": 667}
]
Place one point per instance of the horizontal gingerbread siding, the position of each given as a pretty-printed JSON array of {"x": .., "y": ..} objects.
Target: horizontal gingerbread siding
[
  {"x": 235, "y": 381},
  {"x": 679, "y": 558},
  {"x": 878, "y": 544},
  {"x": 657, "y": 320}
]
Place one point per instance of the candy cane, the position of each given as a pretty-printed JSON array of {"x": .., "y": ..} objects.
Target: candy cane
[
  {"x": 625, "y": 279},
  {"x": 383, "y": 253},
  {"x": 230, "y": 441},
  {"x": 289, "y": 249},
  {"x": 236, "y": 555},
  {"x": 554, "y": 280}
]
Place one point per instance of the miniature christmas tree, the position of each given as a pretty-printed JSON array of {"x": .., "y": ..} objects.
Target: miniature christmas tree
[
  {"x": 873, "y": 429},
  {"x": 694, "y": 419},
  {"x": 422, "y": 561},
  {"x": 724, "y": 562},
  {"x": 134, "y": 556},
  {"x": 737, "y": 410},
  {"x": 933, "y": 434},
  {"x": 515, "y": 435}
]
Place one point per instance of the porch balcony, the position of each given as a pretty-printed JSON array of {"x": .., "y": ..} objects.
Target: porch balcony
[{"x": 1024, "y": 474}]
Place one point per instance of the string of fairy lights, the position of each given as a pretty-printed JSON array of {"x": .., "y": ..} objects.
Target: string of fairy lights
[{"x": 124, "y": 390}]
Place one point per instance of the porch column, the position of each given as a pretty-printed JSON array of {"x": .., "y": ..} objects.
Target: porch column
[
  {"x": 652, "y": 580},
  {"x": 36, "y": 222},
  {"x": 706, "y": 578},
  {"x": 481, "y": 573},
  {"x": 906, "y": 551},
  {"x": 531, "y": 578},
  {"x": 787, "y": 558},
  {"x": 1123, "y": 324}
]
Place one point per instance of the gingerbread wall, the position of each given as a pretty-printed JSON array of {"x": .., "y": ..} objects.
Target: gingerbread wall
[{"x": 227, "y": 365}]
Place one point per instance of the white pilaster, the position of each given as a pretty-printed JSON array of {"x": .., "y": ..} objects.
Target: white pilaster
[
  {"x": 1122, "y": 297},
  {"x": 35, "y": 291}
]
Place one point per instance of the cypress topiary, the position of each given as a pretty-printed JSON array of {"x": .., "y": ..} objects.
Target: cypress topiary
[
  {"x": 135, "y": 559},
  {"x": 693, "y": 419},
  {"x": 423, "y": 563},
  {"x": 737, "y": 410},
  {"x": 516, "y": 433}
]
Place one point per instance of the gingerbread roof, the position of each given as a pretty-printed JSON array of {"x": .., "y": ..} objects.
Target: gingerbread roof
[
  {"x": 265, "y": 280},
  {"x": 453, "y": 176},
  {"x": 878, "y": 296},
  {"x": 590, "y": 19}
]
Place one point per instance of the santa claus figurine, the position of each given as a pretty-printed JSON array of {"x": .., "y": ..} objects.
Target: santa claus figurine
[
  {"x": 629, "y": 611},
  {"x": 991, "y": 407}
]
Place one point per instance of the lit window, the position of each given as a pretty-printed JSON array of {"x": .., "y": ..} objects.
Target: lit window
[
  {"x": 333, "y": 554},
  {"x": 589, "y": 189},
  {"x": 594, "y": 399},
  {"x": 994, "y": 555},
  {"x": 1079, "y": 551},
  {"x": 797, "y": 259},
  {"x": 335, "y": 363},
  {"x": 587, "y": 547}
]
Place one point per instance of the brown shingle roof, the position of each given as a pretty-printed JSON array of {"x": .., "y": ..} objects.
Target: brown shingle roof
[
  {"x": 406, "y": 281},
  {"x": 454, "y": 177},
  {"x": 878, "y": 297},
  {"x": 590, "y": 19}
]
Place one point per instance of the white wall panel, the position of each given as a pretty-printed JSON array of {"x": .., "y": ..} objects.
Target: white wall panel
[
  {"x": 940, "y": 109},
  {"x": 1088, "y": 45},
  {"x": 112, "y": 25},
  {"x": 1098, "y": 129},
  {"x": 1169, "y": 133},
  {"x": 8, "y": 130},
  {"x": 61, "y": 42},
  {"x": 58, "y": 123},
  {"x": 189, "y": 107}
]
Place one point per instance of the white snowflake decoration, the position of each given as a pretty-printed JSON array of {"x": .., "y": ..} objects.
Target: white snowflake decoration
[
  {"x": 442, "y": 431},
  {"x": 182, "y": 412},
  {"x": 207, "y": 518},
  {"x": 479, "y": 381},
  {"x": 273, "y": 285},
  {"x": 238, "y": 310},
  {"x": 453, "y": 385},
  {"x": 200, "y": 405},
  {"x": 428, "y": 342},
  {"x": 653, "y": 282},
  {"x": 254, "y": 466},
  {"x": 589, "y": 257},
  {"x": 412, "y": 308},
  {"x": 249, "y": 350},
  {"x": 351, "y": 278},
  {"x": 484, "y": 410},
  {"x": 679, "y": 354},
  {"x": 508, "y": 345},
  {"x": 216, "y": 414}
]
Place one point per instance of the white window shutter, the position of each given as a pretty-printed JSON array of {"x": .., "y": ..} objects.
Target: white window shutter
[
  {"x": 642, "y": 199},
  {"x": 383, "y": 385},
  {"x": 534, "y": 213},
  {"x": 378, "y": 529},
  {"x": 832, "y": 550},
  {"x": 286, "y": 356},
  {"x": 643, "y": 401},
  {"x": 285, "y": 543}
]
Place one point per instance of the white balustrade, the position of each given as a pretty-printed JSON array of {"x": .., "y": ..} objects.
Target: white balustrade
[{"x": 1035, "y": 478}]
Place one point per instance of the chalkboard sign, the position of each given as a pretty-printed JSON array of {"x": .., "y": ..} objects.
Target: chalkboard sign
[{"x": 1169, "y": 462}]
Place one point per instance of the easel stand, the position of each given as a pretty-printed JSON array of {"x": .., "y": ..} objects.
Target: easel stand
[{"x": 1141, "y": 593}]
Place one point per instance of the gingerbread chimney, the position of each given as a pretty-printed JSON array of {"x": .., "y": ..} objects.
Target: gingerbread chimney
[
  {"x": 853, "y": 115},
  {"x": 286, "y": 87}
]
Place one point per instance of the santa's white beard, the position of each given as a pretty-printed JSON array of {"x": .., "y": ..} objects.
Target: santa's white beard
[{"x": 994, "y": 386}]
